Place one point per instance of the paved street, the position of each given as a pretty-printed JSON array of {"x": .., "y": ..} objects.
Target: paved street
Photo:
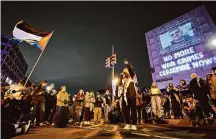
[{"x": 115, "y": 132}]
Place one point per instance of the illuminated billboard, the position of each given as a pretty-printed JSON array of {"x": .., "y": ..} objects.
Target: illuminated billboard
[{"x": 181, "y": 46}]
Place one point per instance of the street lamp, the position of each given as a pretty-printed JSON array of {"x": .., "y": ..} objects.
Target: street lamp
[
  {"x": 115, "y": 81},
  {"x": 214, "y": 42}
]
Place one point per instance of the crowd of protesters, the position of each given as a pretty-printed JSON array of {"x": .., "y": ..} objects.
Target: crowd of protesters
[{"x": 41, "y": 105}]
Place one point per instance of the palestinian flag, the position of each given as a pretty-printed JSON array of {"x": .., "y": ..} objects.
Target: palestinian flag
[{"x": 34, "y": 36}]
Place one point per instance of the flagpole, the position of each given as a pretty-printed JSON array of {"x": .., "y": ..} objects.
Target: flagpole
[{"x": 37, "y": 61}]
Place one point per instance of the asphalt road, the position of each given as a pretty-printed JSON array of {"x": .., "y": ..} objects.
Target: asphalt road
[{"x": 107, "y": 131}]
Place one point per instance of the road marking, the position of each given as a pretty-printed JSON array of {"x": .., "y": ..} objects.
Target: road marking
[
  {"x": 115, "y": 128},
  {"x": 94, "y": 132},
  {"x": 146, "y": 130},
  {"x": 118, "y": 135},
  {"x": 141, "y": 134}
]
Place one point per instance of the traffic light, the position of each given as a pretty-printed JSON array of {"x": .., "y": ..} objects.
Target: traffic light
[
  {"x": 108, "y": 62},
  {"x": 113, "y": 62}
]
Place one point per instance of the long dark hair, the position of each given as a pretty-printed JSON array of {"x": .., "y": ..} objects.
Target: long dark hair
[{"x": 184, "y": 82}]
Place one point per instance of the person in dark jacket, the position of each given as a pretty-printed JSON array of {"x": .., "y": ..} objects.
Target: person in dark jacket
[
  {"x": 213, "y": 86},
  {"x": 146, "y": 101},
  {"x": 38, "y": 100},
  {"x": 209, "y": 85},
  {"x": 107, "y": 105},
  {"x": 50, "y": 103},
  {"x": 98, "y": 109},
  {"x": 200, "y": 92},
  {"x": 175, "y": 100}
]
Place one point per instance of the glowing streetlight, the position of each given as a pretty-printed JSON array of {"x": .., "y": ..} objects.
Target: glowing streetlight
[
  {"x": 214, "y": 42},
  {"x": 115, "y": 81}
]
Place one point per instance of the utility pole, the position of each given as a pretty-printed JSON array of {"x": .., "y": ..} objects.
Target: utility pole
[
  {"x": 110, "y": 63},
  {"x": 113, "y": 74}
]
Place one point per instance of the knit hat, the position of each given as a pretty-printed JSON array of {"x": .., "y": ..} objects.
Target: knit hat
[{"x": 213, "y": 68}]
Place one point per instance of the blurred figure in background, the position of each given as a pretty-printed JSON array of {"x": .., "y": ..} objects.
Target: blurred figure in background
[
  {"x": 61, "y": 116},
  {"x": 79, "y": 106},
  {"x": 107, "y": 104},
  {"x": 155, "y": 94},
  {"x": 92, "y": 101},
  {"x": 39, "y": 101},
  {"x": 200, "y": 92},
  {"x": 50, "y": 103},
  {"x": 139, "y": 104},
  {"x": 146, "y": 103},
  {"x": 98, "y": 109},
  {"x": 166, "y": 105},
  {"x": 213, "y": 86},
  {"x": 194, "y": 110},
  {"x": 175, "y": 101},
  {"x": 183, "y": 88}
]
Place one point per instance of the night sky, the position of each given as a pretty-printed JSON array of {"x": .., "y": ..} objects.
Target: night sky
[{"x": 84, "y": 34}]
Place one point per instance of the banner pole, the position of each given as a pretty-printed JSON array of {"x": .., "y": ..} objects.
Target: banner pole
[
  {"x": 37, "y": 62},
  {"x": 33, "y": 67}
]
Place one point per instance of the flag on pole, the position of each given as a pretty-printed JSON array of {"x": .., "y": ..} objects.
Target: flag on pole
[{"x": 34, "y": 36}]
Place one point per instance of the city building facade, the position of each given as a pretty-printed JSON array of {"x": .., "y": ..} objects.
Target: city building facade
[{"x": 13, "y": 64}]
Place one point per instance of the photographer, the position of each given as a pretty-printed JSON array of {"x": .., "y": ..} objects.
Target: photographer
[{"x": 193, "y": 109}]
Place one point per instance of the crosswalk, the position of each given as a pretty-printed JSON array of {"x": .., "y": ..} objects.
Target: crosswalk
[{"x": 119, "y": 132}]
